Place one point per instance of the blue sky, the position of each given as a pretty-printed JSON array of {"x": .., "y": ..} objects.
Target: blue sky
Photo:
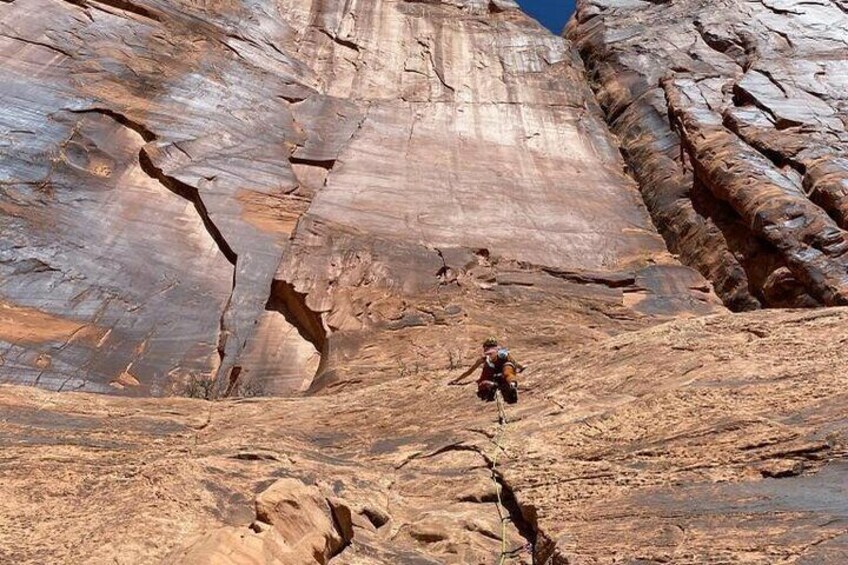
[{"x": 551, "y": 13}]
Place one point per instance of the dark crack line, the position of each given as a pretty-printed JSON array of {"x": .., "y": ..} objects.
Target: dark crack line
[
  {"x": 602, "y": 279},
  {"x": 122, "y": 119},
  {"x": 776, "y": 158},
  {"x": 744, "y": 97},
  {"x": 339, "y": 41},
  {"x": 121, "y": 5},
  {"x": 39, "y": 44},
  {"x": 458, "y": 446},
  {"x": 721, "y": 45},
  {"x": 432, "y": 59},
  {"x": 774, "y": 81},
  {"x": 327, "y": 164},
  {"x": 540, "y": 553},
  {"x": 191, "y": 194},
  {"x": 782, "y": 34},
  {"x": 839, "y": 5}
]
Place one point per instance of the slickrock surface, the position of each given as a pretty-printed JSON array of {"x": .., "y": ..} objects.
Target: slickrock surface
[
  {"x": 732, "y": 115},
  {"x": 714, "y": 440},
  {"x": 333, "y": 201},
  {"x": 263, "y": 190}
]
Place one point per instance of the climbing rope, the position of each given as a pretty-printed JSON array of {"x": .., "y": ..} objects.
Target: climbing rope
[{"x": 502, "y": 513}]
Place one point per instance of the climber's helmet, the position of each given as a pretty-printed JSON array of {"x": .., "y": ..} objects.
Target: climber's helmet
[{"x": 490, "y": 347}]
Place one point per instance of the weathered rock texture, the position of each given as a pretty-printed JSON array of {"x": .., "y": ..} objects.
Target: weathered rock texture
[
  {"x": 715, "y": 440},
  {"x": 256, "y": 190},
  {"x": 294, "y": 197},
  {"x": 732, "y": 116}
]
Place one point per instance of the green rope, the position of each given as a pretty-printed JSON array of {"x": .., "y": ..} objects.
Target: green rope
[{"x": 502, "y": 422}]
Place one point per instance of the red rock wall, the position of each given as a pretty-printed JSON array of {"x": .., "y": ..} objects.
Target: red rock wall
[
  {"x": 166, "y": 163},
  {"x": 731, "y": 115}
]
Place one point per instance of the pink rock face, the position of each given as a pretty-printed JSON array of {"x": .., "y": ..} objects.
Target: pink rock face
[
  {"x": 160, "y": 180},
  {"x": 715, "y": 439}
]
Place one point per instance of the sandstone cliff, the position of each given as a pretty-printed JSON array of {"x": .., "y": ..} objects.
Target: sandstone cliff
[
  {"x": 732, "y": 117},
  {"x": 194, "y": 188},
  {"x": 331, "y": 202}
]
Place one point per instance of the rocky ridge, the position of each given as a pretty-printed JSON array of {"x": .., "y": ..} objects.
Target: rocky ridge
[{"x": 732, "y": 117}]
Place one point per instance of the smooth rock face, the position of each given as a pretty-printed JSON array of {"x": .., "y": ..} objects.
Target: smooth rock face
[
  {"x": 167, "y": 168},
  {"x": 732, "y": 116}
]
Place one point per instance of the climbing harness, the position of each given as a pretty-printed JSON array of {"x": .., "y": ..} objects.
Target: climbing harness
[{"x": 502, "y": 513}]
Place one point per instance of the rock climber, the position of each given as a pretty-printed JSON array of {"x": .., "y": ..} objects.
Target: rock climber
[{"x": 499, "y": 372}]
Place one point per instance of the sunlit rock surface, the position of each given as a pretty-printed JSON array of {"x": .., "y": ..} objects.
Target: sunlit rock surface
[
  {"x": 164, "y": 164},
  {"x": 710, "y": 440},
  {"x": 333, "y": 202}
]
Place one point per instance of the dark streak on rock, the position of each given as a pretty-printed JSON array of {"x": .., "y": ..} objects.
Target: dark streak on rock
[
  {"x": 191, "y": 194},
  {"x": 36, "y": 43},
  {"x": 122, "y": 5}
]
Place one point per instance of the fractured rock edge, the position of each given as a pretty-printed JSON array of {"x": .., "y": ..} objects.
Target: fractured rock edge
[{"x": 747, "y": 271}]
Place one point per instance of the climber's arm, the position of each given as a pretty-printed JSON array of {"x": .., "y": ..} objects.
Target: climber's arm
[{"x": 473, "y": 368}]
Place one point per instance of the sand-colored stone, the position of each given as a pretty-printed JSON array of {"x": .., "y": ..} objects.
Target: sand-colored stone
[
  {"x": 323, "y": 207},
  {"x": 168, "y": 164},
  {"x": 669, "y": 437}
]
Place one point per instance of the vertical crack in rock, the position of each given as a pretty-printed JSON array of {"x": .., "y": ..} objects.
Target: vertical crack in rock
[
  {"x": 282, "y": 297},
  {"x": 543, "y": 550},
  {"x": 752, "y": 255},
  {"x": 179, "y": 188},
  {"x": 524, "y": 520},
  {"x": 635, "y": 112},
  {"x": 189, "y": 193}
]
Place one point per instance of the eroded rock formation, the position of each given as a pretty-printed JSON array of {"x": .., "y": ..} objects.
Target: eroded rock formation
[{"x": 732, "y": 117}]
